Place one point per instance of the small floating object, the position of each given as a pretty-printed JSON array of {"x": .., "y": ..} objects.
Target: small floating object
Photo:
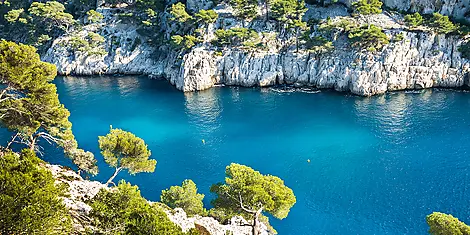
[
  {"x": 308, "y": 160},
  {"x": 203, "y": 141}
]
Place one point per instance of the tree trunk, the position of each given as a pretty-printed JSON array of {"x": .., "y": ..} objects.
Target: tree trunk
[
  {"x": 297, "y": 40},
  {"x": 12, "y": 140},
  {"x": 256, "y": 224},
  {"x": 114, "y": 175},
  {"x": 32, "y": 143},
  {"x": 267, "y": 9}
]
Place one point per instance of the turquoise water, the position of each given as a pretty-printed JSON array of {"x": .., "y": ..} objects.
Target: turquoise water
[{"x": 378, "y": 165}]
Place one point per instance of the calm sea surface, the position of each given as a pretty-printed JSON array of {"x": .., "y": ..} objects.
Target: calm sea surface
[{"x": 377, "y": 165}]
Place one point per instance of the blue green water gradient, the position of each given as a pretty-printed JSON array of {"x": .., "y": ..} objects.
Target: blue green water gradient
[{"x": 377, "y": 165}]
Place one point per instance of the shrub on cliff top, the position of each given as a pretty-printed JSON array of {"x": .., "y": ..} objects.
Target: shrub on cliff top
[
  {"x": 414, "y": 20},
  {"x": 94, "y": 16},
  {"x": 245, "y": 9},
  {"x": 442, "y": 24},
  {"x": 122, "y": 210},
  {"x": 367, "y": 7},
  {"x": 186, "y": 197},
  {"x": 371, "y": 38},
  {"x": 243, "y": 37},
  {"x": 185, "y": 42}
]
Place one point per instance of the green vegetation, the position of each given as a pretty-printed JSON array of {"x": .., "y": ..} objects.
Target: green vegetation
[
  {"x": 242, "y": 37},
  {"x": 186, "y": 41},
  {"x": 92, "y": 44},
  {"x": 414, "y": 20},
  {"x": 186, "y": 197},
  {"x": 179, "y": 13},
  {"x": 443, "y": 224},
  {"x": 30, "y": 106},
  {"x": 318, "y": 44},
  {"x": 94, "y": 16},
  {"x": 367, "y": 7},
  {"x": 123, "y": 150},
  {"x": 48, "y": 19},
  {"x": 249, "y": 193},
  {"x": 286, "y": 11},
  {"x": 442, "y": 24},
  {"x": 123, "y": 210},
  {"x": 30, "y": 201},
  {"x": 245, "y": 9},
  {"x": 206, "y": 17},
  {"x": 343, "y": 25},
  {"x": 371, "y": 38}
]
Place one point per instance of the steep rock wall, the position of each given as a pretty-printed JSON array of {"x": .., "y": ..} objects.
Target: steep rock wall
[{"x": 421, "y": 60}]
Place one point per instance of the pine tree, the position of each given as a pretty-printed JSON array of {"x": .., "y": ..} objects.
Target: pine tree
[
  {"x": 29, "y": 103},
  {"x": 123, "y": 150},
  {"x": 251, "y": 193}
]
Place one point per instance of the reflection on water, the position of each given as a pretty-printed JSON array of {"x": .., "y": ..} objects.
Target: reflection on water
[
  {"x": 204, "y": 109},
  {"x": 124, "y": 86}
]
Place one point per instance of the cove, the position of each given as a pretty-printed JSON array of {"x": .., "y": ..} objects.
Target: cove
[{"x": 378, "y": 165}]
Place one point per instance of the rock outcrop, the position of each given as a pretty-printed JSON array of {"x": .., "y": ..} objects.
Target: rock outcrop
[
  {"x": 81, "y": 190},
  {"x": 421, "y": 60}
]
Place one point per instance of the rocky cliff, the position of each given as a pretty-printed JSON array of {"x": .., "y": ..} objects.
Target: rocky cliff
[
  {"x": 81, "y": 190},
  {"x": 423, "y": 59}
]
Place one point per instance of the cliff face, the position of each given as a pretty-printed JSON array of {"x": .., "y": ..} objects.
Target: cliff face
[{"x": 423, "y": 59}]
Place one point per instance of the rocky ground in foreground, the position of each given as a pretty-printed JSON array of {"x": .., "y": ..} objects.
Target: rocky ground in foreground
[{"x": 81, "y": 190}]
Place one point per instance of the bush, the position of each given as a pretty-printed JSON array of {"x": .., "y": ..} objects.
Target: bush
[
  {"x": 92, "y": 44},
  {"x": 123, "y": 210},
  {"x": 414, "y": 20},
  {"x": 246, "y": 38},
  {"x": 207, "y": 17},
  {"x": 179, "y": 14},
  {"x": 318, "y": 44},
  {"x": 94, "y": 16},
  {"x": 30, "y": 200},
  {"x": 342, "y": 25},
  {"x": 186, "y": 197},
  {"x": 442, "y": 24},
  {"x": 442, "y": 224},
  {"x": 371, "y": 38},
  {"x": 186, "y": 41}
]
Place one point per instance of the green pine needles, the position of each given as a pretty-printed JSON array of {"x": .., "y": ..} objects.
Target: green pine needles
[{"x": 125, "y": 151}]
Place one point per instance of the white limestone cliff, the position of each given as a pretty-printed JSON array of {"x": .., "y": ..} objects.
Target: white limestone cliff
[{"x": 422, "y": 60}]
